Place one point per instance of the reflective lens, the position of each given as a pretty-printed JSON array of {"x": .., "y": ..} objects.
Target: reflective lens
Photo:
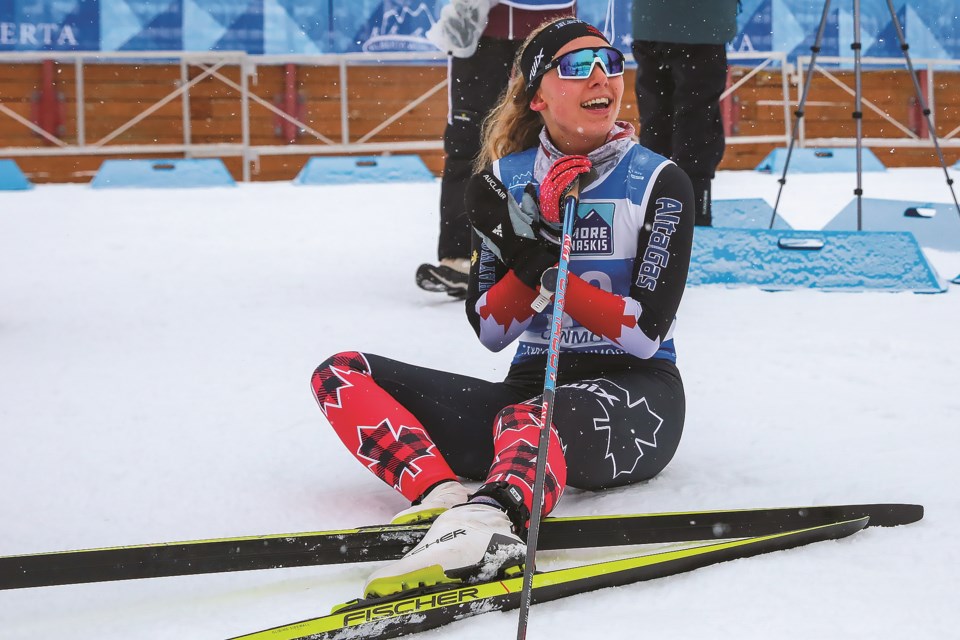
[{"x": 578, "y": 64}]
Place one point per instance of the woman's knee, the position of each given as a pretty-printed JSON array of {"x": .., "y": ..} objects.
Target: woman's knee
[{"x": 349, "y": 360}]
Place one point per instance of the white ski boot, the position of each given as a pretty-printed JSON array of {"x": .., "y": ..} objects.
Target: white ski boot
[
  {"x": 436, "y": 501},
  {"x": 466, "y": 544}
]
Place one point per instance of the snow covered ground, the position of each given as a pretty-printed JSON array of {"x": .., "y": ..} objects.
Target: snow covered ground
[{"x": 155, "y": 353}]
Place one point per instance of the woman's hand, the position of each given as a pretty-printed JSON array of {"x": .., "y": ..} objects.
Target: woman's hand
[
  {"x": 557, "y": 183},
  {"x": 507, "y": 228}
]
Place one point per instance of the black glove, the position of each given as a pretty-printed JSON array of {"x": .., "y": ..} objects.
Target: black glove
[
  {"x": 506, "y": 228},
  {"x": 549, "y": 231}
]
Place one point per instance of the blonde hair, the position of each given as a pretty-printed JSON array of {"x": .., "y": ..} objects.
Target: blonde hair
[{"x": 511, "y": 125}]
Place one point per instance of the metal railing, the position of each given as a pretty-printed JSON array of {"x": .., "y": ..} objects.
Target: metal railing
[
  {"x": 764, "y": 59},
  {"x": 212, "y": 64},
  {"x": 910, "y": 137}
]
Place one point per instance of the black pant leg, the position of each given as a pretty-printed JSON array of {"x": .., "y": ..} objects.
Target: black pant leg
[
  {"x": 457, "y": 411},
  {"x": 475, "y": 85},
  {"x": 621, "y": 428},
  {"x": 703, "y": 201},
  {"x": 678, "y": 96},
  {"x": 700, "y": 77},
  {"x": 654, "y": 89}
]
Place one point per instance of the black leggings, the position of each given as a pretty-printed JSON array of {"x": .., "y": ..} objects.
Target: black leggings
[
  {"x": 474, "y": 86},
  {"x": 616, "y": 428},
  {"x": 678, "y": 98}
]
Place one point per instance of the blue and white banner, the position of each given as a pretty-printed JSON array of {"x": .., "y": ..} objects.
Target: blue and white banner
[
  {"x": 932, "y": 27},
  {"x": 60, "y": 25}
]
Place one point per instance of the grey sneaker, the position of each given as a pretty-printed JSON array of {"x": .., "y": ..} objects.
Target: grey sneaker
[{"x": 446, "y": 277}]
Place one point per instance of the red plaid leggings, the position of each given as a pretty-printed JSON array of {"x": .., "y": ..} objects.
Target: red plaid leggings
[{"x": 414, "y": 427}]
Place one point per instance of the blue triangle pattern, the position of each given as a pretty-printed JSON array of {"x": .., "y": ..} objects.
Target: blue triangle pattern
[
  {"x": 830, "y": 45},
  {"x": 163, "y": 33},
  {"x": 318, "y": 21},
  {"x": 887, "y": 43},
  {"x": 756, "y": 32},
  {"x": 245, "y": 33},
  {"x": 226, "y": 13},
  {"x": 340, "y": 26}
]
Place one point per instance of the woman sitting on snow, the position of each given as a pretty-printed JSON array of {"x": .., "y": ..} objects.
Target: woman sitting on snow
[{"x": 619, "y": 407}]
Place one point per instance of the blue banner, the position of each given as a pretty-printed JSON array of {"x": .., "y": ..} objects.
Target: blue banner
[
  {"x": 58, "y": 25},
  {"x": 930, "y": 28},
  {"x": 341, "y": 26}
]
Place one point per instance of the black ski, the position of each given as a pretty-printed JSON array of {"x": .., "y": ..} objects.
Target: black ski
[
  {"x": 392, "y": 541},
  {"x": 412, "y": 613}
]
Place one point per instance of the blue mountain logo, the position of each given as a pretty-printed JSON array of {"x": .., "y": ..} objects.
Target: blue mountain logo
[
  {"x": 593, "y": 233},
  {"x": 397, "y": 26}
]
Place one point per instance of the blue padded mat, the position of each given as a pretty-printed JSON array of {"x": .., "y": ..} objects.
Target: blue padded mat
[
  {"x": 366, "y": 169},
  {"x": 826, "y": 260},
  {"x": 819, "y": 161},
  {"x": 935, "y": 226},
  {"x": 11, "y": 178},
  {"x": 163, "y": 174},
  {"x": 746, "y": 213}
]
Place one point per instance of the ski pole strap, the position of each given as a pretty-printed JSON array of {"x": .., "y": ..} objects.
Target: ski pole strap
[{"x": 506, "y": 497}]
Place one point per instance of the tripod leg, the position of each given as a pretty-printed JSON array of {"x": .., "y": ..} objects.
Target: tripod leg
[
  {"x": 856, "y": 46},
  {"x": 815, "y": 49},
  {"x": 921, "y": 101}
]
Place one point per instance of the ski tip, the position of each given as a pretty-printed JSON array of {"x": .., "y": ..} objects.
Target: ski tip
[
  {"x": 918, "y": 508},
  {"x": 881, "y": 515},
  {"x": 892, "y": 515},
  {"x": 915, "y": 511}
]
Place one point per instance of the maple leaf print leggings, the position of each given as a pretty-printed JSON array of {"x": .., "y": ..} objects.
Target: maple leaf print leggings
[{"x": 415, "y": 427}]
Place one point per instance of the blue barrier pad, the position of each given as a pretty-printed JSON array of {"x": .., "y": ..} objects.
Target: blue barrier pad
[
  {"x": 746, "y": 213},
  {"x": 935, "y": 226},
  {"x": 354, "y": 169},
  {"x": 163, "y": 174},
  {"x": 820, "y": 161},
  {"x": 826, "y": 260},
  {"x": 11, "y": 178}
]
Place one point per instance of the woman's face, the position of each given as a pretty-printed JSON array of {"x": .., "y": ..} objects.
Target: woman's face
[{"x": 579, "y": 113}]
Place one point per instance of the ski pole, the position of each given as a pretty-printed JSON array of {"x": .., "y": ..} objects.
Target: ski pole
[{"x": 546, "y": 414}]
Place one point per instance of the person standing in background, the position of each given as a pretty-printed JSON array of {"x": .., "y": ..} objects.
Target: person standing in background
[
  {"x": 482, "y": 38},
  {"x": 680, "y": 50}
]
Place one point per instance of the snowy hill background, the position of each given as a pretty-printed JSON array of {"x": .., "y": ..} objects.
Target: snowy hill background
[{"x": 155, "y": 353}]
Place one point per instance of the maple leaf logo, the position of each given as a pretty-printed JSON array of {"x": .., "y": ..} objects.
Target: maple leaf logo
[
  {"x": 333, "y": 400},
  {"x": 625, "y": 447},
  {"x": 331, "y": 378},
  {"x": 392, "y": 453},
  {"x": 510, "y": 467}
]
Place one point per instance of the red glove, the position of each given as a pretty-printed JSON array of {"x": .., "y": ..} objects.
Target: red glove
[{"x": 557, "y": 182}]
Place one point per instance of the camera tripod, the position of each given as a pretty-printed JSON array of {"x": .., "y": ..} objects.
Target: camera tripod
[{"x": 858, "y": 105}]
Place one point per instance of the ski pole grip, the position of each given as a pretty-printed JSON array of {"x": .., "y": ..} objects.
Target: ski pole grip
[{"x": 573, "y": 191}]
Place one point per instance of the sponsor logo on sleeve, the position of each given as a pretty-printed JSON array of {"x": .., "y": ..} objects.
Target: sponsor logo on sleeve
[{"x": 657, "y": 254}]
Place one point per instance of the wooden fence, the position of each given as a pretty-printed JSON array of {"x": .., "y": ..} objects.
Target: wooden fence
[{"x": 400, "y": 103}]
